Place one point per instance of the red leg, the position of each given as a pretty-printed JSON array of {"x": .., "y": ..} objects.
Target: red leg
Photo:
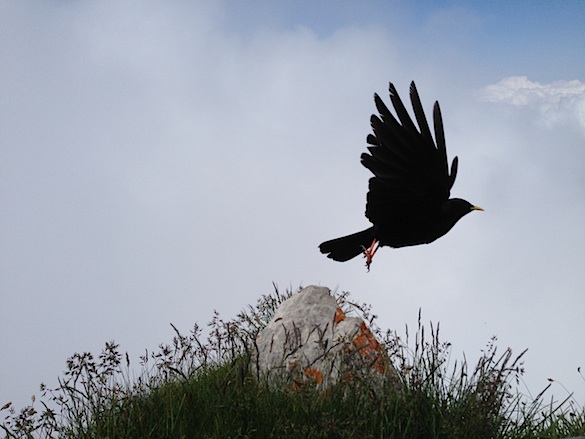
[{"x": 370, "y": 252}]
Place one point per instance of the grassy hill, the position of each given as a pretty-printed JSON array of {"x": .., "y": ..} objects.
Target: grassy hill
[{"x": 202, "y": 386}]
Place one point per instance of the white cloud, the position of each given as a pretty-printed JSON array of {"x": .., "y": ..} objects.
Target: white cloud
[{"x": 556, "y": 102}]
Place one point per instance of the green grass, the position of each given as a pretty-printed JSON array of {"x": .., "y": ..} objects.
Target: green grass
[{"x": 204, "y": 387}]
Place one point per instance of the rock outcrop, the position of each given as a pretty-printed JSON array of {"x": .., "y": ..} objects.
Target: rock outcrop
[{"x": 310, "y": 339}]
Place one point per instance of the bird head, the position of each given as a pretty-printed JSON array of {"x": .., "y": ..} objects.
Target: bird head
[
  {"x": 453, "y": 210},
  {"x": 457, "y": 205}
]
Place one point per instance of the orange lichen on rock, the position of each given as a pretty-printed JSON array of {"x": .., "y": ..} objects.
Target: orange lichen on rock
[
  {"x": 370, "y": 348},
  {"x": 311, "y": 378},
  {"x": 339, "y": 316},
  {"x": 366, "y": 344},
  {"x": 315, "y": 374}
]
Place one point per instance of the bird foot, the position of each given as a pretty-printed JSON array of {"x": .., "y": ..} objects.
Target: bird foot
[{"x": 370, "y": 252}]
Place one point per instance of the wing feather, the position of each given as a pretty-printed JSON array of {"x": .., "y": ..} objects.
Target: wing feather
[
  {"x": 419, "y": 113},
  {"x": 410, "y": 169},
  {"x": 440, "y": 135}
]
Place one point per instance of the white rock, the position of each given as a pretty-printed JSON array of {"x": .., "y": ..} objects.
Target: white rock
[{"x": 309, "y": 337}]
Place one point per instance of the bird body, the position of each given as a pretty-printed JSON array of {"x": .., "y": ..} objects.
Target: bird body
[{"x": 408, "y": 199}]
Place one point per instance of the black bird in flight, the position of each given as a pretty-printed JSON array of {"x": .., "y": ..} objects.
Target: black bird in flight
[{"x": 408, "y": 199}]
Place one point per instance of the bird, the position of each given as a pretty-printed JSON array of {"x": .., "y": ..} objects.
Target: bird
[{"x": 408, "y": 196}]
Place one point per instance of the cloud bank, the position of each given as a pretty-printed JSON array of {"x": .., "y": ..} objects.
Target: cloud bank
[{"x": 556, "y": 102}]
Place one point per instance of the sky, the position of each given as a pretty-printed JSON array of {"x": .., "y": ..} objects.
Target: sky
[{"x": 162, "y": 160}]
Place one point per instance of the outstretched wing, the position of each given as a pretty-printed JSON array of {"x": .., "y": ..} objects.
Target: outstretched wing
[{"x": 411, "y": 174}]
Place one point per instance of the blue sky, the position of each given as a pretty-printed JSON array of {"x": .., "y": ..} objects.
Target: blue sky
[
  {"x": 511, "y": 35},
  {"x": 161, "y": 160}
]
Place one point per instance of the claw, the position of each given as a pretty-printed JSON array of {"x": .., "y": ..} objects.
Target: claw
[{"x": 370, "y": 252}]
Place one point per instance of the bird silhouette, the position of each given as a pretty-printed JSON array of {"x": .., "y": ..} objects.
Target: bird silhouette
[{"x": 408, "y": 199}]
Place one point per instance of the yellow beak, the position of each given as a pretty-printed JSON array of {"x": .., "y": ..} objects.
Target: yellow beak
[{"x": 476, "y": 208}]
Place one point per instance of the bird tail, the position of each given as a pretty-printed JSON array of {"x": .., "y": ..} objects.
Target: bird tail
[{"x": 347, "y": 247}]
